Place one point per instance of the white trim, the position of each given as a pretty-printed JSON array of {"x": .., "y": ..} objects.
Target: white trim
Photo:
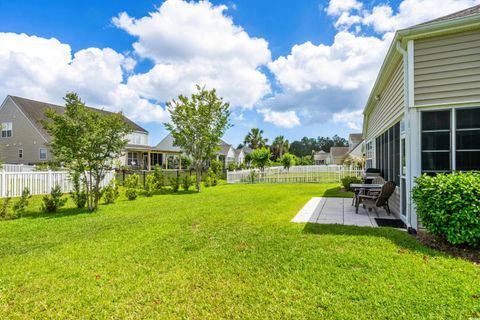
[{"x": 410, "y": 73}]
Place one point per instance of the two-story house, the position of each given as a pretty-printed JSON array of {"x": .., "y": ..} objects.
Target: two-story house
[{"x": 24, "y": 140}]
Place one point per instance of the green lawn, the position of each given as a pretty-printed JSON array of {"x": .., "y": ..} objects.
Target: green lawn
[{"x": 229, "y": 252}]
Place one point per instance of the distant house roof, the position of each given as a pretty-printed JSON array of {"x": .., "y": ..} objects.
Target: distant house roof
[
  {"x": 224, "y": 148},
  {"x": 35, "y": 112},
  {"x": 338, "y": 151},
  {"x": 247, "y": 150},
  {"x": 459, "y": 14},
  {"x": 320, "y": 155},
  {"x": 167, "y": 144},
  {"x": 237, "y": 152},
  {"x": 354, "y": 139}
]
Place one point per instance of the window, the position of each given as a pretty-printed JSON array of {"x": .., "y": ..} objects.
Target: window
[
  {"x": 467, "y": 139},
  {"x": 388, "y": 153},
  {"x": 442, "y": 128},
  {"x": 6, "y": 129},
  {"x": 20, "y": 153},
  {"x": 436, "y": 141},
  {"x": 369, "y": 154},
  {"x": 137, "y": 138},
  {"x": 132, "y": 158},
  {"x": 42, "y": 154}
]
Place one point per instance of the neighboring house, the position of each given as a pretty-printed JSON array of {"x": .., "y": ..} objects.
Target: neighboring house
[
  {"x": 355, "y": 145},
  {"x": 239, "y": 156},
  {"x": 423, "y": 113},
  {"x": 24, "y": 140},
  {"x": 226, "y": 153},
  {"x": 337, "y": 155},
  {"x": 321, "y": 158}
]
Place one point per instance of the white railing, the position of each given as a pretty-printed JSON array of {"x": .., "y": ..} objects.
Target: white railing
[
  {"x": 296, "y": 174},
  {"x": 17, "y": 167},
  {"x": 39, "y": 182}
]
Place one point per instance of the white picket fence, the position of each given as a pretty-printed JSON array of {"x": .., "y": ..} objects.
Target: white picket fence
[
  {"x": 39, "y": 182},
  {"x": 17, "y": 167},
  {"x": 296, "y": 174}
]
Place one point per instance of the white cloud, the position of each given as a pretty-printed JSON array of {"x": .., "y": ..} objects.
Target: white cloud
[
  {"x": 383, "y": 18},
  {"x": 196, "y": 43},
  {"x": 45, "y": 69},
  {"x": 352, "y": 119},
  {"x": 287, "y": 119},
  {"x": 337, "y": 7}
]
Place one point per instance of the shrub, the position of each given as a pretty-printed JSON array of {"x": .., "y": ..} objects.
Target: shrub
[
  {"x": 22, "y": 203},
  {"x": 346, "y": 181},
  {"x": 150, "y": 185},
  {"x": 287, "y": 160},
  {"x": 5, "y": 213},
  {"x": 110, "y": 192},
  {"x": 260, "y": 157},
  {"x": 211, "y": 177},
  {"x": 449, "y": 206},
  {"x": 131, "y": 186},
  {"x": 242, "y": 166},
  {"x": 231, "y": 166},
  {"x": 217, "y": 167},
  {"x": 159, "y": 177},
  {"x": 187, "y": 182},
  {"x": 53, "y": 201},
  {"x": 79, "y": 196},
  {"x": 175, "y": 182},
  {"x": 252, "y": 176},
  {"x": 208, "y": 182}
]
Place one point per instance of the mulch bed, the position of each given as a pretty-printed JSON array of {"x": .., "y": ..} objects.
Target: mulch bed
[{"x": 440, "y": 245}]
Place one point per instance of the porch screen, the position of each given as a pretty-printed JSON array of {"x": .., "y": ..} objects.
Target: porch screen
[
  {"x": 388, "y": 153},
  {"x": 467, "y": 139},
  {"x": 436, "y": 141}
]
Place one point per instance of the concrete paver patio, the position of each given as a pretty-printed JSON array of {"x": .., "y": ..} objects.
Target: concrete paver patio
[{"x": 325, "y": 210}]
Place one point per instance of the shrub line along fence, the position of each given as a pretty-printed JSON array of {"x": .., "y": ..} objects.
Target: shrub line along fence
[
  {"x": 39, "y": 182},
  {"x": 296, "y": 174}
]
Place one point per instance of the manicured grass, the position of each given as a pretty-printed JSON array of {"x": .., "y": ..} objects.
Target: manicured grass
[{"x": 229, "y": 252}]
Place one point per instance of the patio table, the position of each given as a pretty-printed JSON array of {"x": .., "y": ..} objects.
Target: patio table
[{"x": 357, "y": 187}]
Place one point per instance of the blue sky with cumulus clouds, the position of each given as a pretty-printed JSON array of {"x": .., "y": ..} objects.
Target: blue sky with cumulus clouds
[{"x": 296, "y": 68}]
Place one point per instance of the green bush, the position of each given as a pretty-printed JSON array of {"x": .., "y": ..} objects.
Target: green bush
[
  {"x": 217, "y": 167},
  {"x": 79, "y": 196},
  {"x": 5, "y": 213},
  {"x": 159, "y": 178},
  {"x": 150, "y": 185},
  {"x": 212, "y": 178},
  {"x": 175, "y": 182},
  {"x": 449, "y": 206},
  {"x": 53, "y": 201},
  {"x": 131, "y": 186},
  {"x": 187, "y": 182},
  {"x": 110, "y": 192},
  {"x": 21, "y": 205},
  {"x": 346, "y": 181}
]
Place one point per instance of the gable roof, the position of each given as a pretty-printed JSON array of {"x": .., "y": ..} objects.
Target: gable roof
[
  {"x": 224, "y": 148},
  {"x": 338, "y": 151},
  {"x": 167, "y": 144},
  {"x": 35, "y": 112},
  {"x": 456, "y": 22}
]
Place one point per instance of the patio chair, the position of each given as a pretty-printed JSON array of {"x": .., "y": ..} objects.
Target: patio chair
[
  {"x": 376, "y": 180},
  {"x": 380, "y": 200}
]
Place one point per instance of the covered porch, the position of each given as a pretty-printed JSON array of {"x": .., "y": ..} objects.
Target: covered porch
[{"x": 147, "y": 158}]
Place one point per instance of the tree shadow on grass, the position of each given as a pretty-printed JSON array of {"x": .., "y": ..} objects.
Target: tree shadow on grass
[
  {"x": 337, "y": 192},
  {"x": 399, "y": 238},
  {"x": 63, "y": 212}
]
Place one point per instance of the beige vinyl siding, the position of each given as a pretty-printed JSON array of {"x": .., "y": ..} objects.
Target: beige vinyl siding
[
  {"x": 447, "y": 69},
  {"x": 24, "y": 136},
  {"x": 390, "y": 106}
]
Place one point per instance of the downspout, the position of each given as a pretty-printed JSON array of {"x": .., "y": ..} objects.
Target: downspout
[{"x": 406, "y": 93}]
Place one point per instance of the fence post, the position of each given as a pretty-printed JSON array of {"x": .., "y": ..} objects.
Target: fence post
[
  {"x": 49, "y": 181},
  {"x": 2, "y": 183}
]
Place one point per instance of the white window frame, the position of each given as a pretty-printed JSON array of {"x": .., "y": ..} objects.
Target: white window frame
[
  {"x": 453, "y": 129},
  {"x": 7, "y": 128},
  {"x": 40, "y": 153}
]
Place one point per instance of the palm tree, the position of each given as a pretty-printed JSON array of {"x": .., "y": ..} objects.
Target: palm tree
[
  {"x": 280, "y": 145},
  {"x": 254, "y": 139}
]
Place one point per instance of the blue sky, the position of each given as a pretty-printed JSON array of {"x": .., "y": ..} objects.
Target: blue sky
[{"x": 295, "y": 68}]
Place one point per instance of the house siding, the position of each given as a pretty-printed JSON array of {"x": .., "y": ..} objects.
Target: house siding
[
  {"x": 24, "y": 136},
  {"x": 447, "y": 69},
  {"x": 390, "y": 106}
]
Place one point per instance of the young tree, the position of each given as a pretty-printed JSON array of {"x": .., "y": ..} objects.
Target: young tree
[
  {"x": 260, "y": 157},
  {"x": 254, "y": 139},
  {"x": 197, "y": 125},
  {"x": 287, "y": 160},
  {"x": 86, "y": 141}
]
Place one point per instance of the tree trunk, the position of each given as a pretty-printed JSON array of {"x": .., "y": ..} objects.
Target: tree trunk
[{"x": 198, "y": 170}]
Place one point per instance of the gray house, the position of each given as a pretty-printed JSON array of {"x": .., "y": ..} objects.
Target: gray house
[
  {"x": 23, "y": 140},
  {"x": 423, "y": 113}
]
